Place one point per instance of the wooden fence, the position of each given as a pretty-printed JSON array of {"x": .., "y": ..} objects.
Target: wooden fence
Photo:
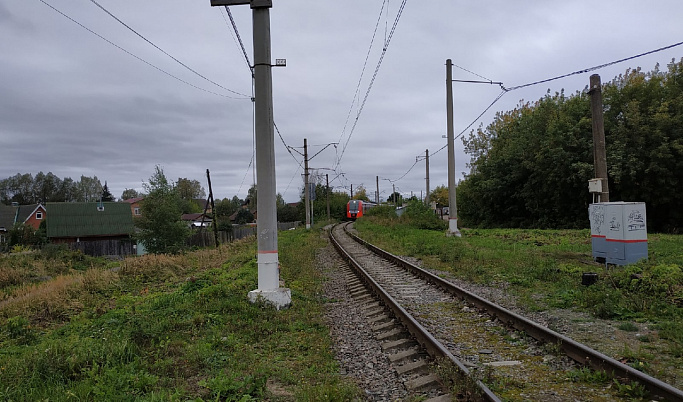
[
  {"x": 207, "y": 239},
  {"x": 122, "y": 248},
  {"x": 98, "y": 248}
]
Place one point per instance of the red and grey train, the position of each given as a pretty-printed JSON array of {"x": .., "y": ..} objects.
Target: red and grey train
[{"x": 357, "y": 208}]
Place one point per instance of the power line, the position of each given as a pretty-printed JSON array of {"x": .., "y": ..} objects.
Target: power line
[
  {"x": 372, "y": 81},
  {"x": 239, "y": 39},
  {"x": 587, "y": 70},
  {"x": 163, "y": 51},
  {"x": 362, "y": 73},
  {"x": 133, "y": 55}
]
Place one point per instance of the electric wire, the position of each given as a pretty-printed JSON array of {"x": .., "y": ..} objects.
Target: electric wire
[
  {"x": 133, "y": 55},
  {"x": 239, "y": 39},
  {"x": 362, "y": 73},
  {"x": 251, "y": 70},
  {"x": 374, "y": 76},
  {"x": 163, "y": 51},
  {"x": 587, "y": 70}
]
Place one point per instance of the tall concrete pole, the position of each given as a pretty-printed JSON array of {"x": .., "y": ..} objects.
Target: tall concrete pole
[
  {"x": 269, "y": 288},
  {"x": 377, "y": 193},
  {"x": 599, "y": 149},
  {"x": 427, "y": 174},
  {"x": 453, "y": 210},
  {"x": 327, "y": 186},
  {"x": 307, "y": 193}
]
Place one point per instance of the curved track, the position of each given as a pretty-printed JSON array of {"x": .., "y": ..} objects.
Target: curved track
[{"x": 493, "y": 346}]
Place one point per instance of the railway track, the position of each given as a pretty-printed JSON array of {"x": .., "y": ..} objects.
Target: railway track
[{"x": 481, "y": 351}]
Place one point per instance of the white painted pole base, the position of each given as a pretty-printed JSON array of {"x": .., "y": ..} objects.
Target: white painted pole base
[
  {"x": 269, "y": 289},
  {"x": 453, "y": 228},
  {"x": 279, "y": 298}
]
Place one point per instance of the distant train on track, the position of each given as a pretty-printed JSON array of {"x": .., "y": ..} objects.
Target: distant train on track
[{"x": 357, "y": 208}]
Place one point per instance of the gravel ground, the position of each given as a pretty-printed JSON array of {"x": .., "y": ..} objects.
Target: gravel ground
[{"x": 359, "y": 354}]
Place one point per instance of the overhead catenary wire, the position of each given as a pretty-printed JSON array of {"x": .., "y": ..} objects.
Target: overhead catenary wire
[
  {"x": 251, "y": 70},
  {"x": 374, "y": 76},
  {"x": 133, "y": 55},
  {"x": 362, "y": 73},
  {"x": 162, "y": 50}
]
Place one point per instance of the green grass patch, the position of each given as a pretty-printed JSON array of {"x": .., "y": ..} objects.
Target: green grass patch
[{"x": 177, "y": 328}]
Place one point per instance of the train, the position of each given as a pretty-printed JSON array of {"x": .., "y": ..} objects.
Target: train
[{"x": 357, "y": 208}]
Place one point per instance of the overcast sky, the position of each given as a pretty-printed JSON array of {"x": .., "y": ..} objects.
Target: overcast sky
[{"x": 74, "y": 104}]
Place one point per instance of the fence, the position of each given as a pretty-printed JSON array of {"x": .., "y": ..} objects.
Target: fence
[
  {"x": 207, "y": 239},
  {"x": 122, "y": 248},
  {"x": 98, "y": 248}
]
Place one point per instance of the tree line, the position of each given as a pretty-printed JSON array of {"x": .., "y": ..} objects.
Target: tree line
[
  {"x": 26, "y": 189},
  {"x": 530, "y": 166}
]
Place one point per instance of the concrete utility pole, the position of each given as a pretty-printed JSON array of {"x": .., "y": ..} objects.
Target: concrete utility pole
[
  {"x": 352, "y": 191},
  {"x": 268, "y": 263},
  {"x": 327, "y": 186},
  {"x": 452, "y": 208},
  {"x": 599, "y": 151},
  {"x": 393, "y": 186},
  {"x": 427, "y": 174},
  {"x": 307, "y": 191},
  {"x": 377, "y": 193}
]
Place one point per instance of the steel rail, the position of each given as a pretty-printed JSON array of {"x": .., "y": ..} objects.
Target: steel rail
[
  {"x": 577, "y": 351},
  {"x": 433, "y": 347}
]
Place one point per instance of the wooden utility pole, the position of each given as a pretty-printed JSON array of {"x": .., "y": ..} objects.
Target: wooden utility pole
[
  {"x": 213, "y": 209},
  {"x": 599, "y": 149}
]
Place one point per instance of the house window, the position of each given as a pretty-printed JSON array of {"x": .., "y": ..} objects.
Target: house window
[
  {"x": 136, "y": 211},
  {"x": 39, "y": 215}
]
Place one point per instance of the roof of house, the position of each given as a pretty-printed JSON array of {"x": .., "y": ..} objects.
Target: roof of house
[
  {"x": 134, "y": 200},
  {"x": 195, "y": 217},
  {"x": 27, "y": 210},
  {"x": 10, "y": 215},
  {"x": 84, "y": 219},
  {"x": 7, "y": 217}
]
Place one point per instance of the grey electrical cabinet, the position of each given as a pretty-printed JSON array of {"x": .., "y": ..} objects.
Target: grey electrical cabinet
[{"x": 618, "y": 232}]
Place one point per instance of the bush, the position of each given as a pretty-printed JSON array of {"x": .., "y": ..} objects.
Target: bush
[{"x": 419, "y": 215}]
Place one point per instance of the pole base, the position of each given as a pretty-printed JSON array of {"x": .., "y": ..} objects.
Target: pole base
[
  {"x": 453, "y": 228},
  {"x": 279, "y": 298}
]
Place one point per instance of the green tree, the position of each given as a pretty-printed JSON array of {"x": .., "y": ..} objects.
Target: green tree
[
  {"x": 160, "y": 228},
  {"x": 106, "y": 194},
  {"x": 440, "y": 196},
  {"x": 360, "y": 194},
  {"x": 394, "y": 197},
  {"x": 130, "y": 193},
  {"x": 244, "y": 216},
  {"x": 88, "y": 189},
  {"x": 190, "y": 189},
  {"x": 227, "y": 206},
  {"x": 530, "y": 166}
]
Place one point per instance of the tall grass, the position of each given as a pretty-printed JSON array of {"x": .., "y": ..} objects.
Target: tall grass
[{"x": 172, "y": 328}]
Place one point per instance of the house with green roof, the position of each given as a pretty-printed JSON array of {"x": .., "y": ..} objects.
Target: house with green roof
[
  {"x": 96, "y": 228},
  {"x": 11, "y": 215}
]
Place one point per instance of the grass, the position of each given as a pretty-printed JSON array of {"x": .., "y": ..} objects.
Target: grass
[{"x": 170, "y": 328}]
